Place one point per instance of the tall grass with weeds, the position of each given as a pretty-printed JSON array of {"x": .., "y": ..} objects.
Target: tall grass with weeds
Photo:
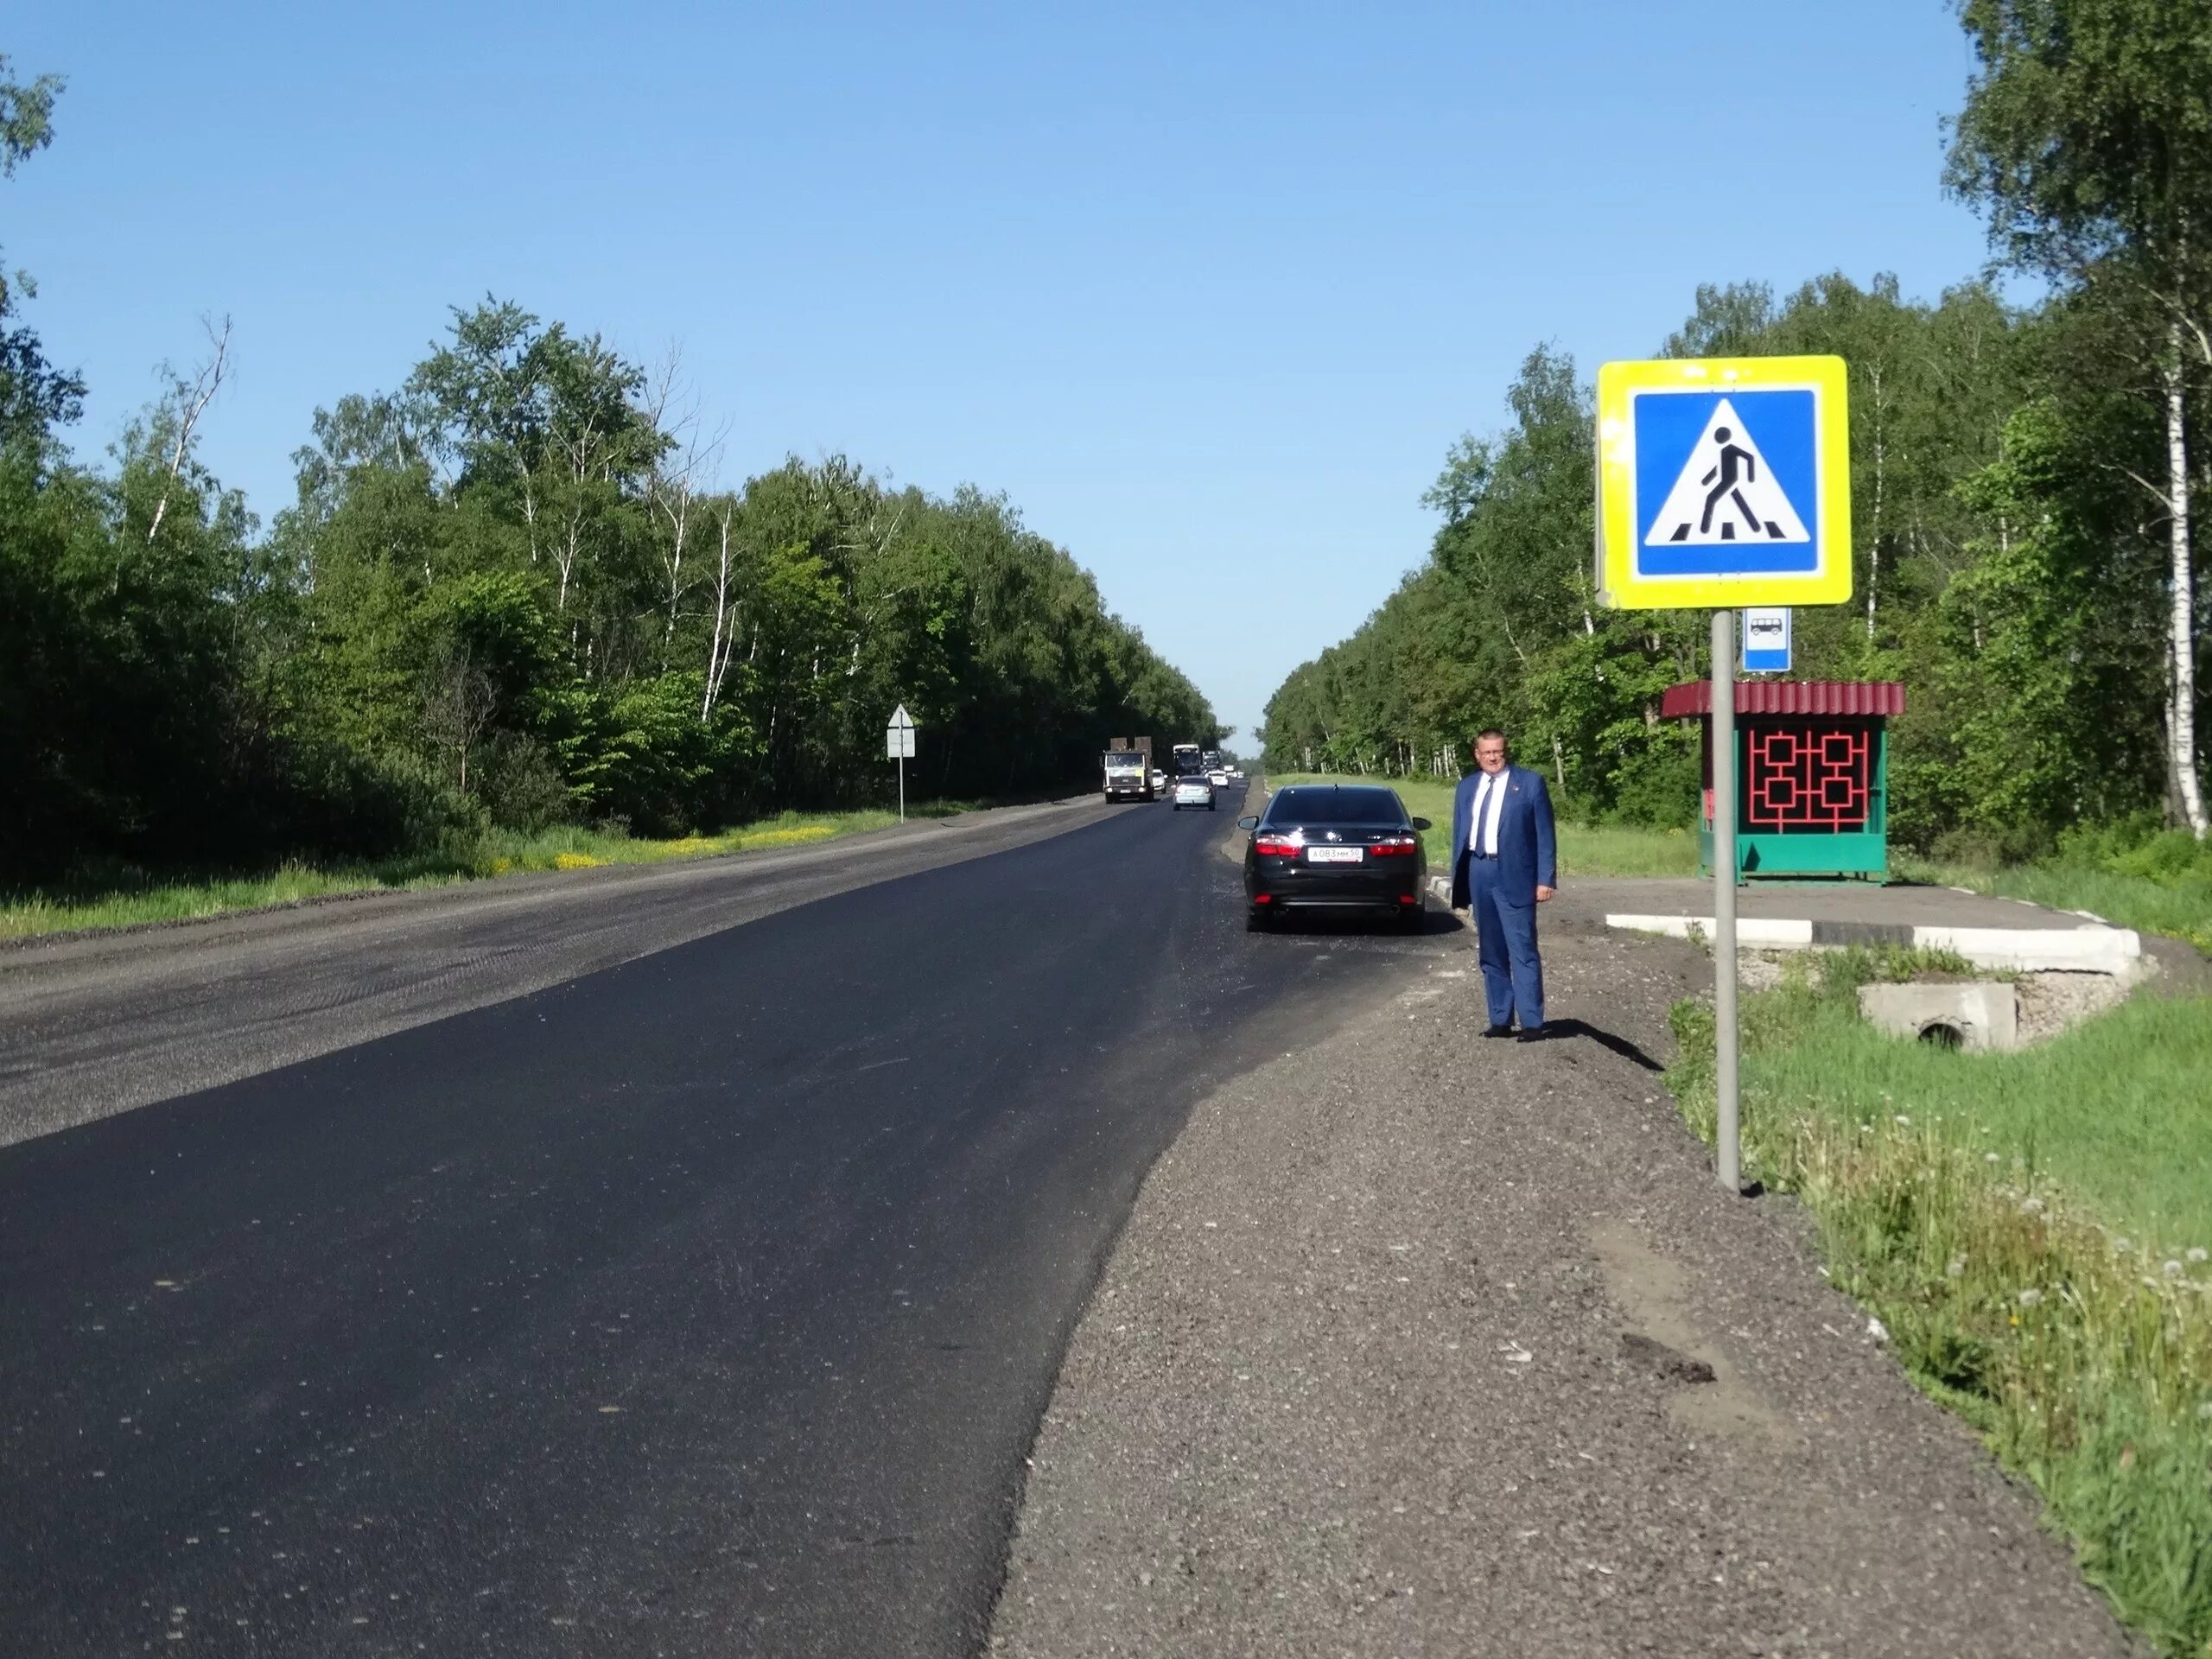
[
  {"x": 127, "y": 903},
  {"x": 2078, "y": 1344},
  {"x": 2135, "y": 873},
  {"x": 125, "y": 898},
  {"x": 1584, "y": 848},
  {"x": 2180, "y": 909}
]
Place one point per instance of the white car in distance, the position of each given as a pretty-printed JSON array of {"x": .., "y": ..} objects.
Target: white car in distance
[
  {"x": 1218, "y": 778},
  {"x": 1193, "y": 789}
]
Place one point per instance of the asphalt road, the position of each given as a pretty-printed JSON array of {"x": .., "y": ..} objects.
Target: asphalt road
[
  {"x": 707, "y": 1303},
  {"x": 104, "y": 1022}
]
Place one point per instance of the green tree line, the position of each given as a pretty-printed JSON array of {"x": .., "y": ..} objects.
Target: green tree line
[
  {"x": 510, "y": 593},
  {"x": 2022, "y": 481}
]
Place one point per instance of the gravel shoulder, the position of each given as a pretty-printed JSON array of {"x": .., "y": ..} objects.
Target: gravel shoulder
[
  {"x": 1418, "y": 1344},
  {"x": 98, "y": 1023}
]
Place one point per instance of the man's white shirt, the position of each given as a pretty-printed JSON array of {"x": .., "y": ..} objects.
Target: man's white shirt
[{"x": 1490, "y": 801}]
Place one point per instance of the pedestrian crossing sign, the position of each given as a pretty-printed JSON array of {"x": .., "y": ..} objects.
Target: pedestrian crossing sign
[{"x": 1724, "y": 482}]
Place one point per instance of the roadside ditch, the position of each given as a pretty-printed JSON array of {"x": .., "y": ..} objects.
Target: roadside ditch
[{"x": 2027, "y": 1228}]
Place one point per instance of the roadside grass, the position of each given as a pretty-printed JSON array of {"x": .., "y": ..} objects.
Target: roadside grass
[
  {"x": 2033, "y": 1229},
  {"x": 1584, "y": 848},
  {"x": 124, "y": 898}
]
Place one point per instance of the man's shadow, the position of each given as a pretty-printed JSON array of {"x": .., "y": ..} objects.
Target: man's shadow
[{"x": 1620, "y": 1045}]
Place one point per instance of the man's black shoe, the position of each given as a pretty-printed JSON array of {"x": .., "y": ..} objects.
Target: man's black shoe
[
  {"x": 1499, "y": 1031},
  {"x": 1533, "y": 1034}
]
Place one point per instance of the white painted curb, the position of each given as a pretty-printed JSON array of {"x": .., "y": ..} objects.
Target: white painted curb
[
  {"x": 1751, "y": 932},
  {"x": 2075, "y": 950},
  {"x": 2115, "y": 950}
]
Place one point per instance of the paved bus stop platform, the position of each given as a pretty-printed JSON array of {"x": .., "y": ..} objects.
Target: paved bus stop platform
[{"x": 1988, "y": 931}]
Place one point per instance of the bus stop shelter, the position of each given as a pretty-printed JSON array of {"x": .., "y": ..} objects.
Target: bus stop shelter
[{"x": 1812, "y": 774}]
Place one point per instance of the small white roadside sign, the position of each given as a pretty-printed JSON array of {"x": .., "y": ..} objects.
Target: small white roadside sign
[{"x": 899, "y": 745}]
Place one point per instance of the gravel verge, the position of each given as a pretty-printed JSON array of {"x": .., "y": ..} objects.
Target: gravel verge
[{"x": 1421, "y": 1343}]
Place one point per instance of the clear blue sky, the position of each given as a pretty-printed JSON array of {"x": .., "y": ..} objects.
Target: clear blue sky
[{"x": 1207, "y": 290}]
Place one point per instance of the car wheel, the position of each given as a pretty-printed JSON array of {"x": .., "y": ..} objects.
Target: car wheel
[
  {"x": 1411, "y": 921},
  {"x": 1256, "y": 919},
  {"x": 1179, "y": 806}
]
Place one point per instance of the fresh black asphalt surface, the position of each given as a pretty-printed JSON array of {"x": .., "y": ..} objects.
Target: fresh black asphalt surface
[
  {"x": 705, "y": 1304},
  {"x": 103, "y": 1022}
]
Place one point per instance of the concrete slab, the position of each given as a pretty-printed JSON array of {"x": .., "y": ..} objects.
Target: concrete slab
[
  {"x": 1988, "y": 931},
  {"x": 2115, "y": 950},
  {"x": 1895, "y": 906}
]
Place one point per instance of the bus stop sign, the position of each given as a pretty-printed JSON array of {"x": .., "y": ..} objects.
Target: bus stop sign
[{"x": 1766, "y": 639}]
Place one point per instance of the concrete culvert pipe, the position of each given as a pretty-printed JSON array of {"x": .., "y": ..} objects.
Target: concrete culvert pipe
[{"x": 1974, "y": 1015}]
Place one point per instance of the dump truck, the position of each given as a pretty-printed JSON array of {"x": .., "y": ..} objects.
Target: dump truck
[{"x": 1129, "y": 769}]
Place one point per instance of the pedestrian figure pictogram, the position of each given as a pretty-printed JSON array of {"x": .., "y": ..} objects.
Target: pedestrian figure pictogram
[
  {"x": 1726, "y": 493},
  {"x": 1736, "y": 461}
]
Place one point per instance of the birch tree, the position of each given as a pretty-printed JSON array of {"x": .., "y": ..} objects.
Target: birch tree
[
  {"x": 189, "y": 401},
  {"x": 2086, "y": 138},
  {"x": 721, "y": 639},
  {"x": 680, "y": 472}
]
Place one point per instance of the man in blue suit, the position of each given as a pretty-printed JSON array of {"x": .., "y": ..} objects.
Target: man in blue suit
[{"x": 1503, "y": 865}]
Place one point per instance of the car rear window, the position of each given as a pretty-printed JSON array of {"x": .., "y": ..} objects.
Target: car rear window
[{"x": 1336, "y": 805}]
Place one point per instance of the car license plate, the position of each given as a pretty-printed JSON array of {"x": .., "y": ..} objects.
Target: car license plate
[{"x": 1334, "y": 854}]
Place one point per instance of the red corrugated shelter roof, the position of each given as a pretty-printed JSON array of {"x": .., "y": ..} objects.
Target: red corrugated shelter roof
[{"x": 1693, "y": 698}]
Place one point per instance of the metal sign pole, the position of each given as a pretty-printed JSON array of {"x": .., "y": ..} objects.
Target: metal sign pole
[
  {"x": 899, "y": 744},
  {"x": 1720, "y": 428},
  {"x": 1724, "y": 899}
]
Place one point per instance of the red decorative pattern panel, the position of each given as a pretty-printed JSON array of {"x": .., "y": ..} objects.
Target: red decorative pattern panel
[{"x": 1812, "y": 776}]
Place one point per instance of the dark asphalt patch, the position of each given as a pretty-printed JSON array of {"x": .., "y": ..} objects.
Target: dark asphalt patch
[{"x": 101, "y": 1023}]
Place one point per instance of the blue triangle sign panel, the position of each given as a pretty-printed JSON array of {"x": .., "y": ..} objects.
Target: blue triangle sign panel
[
  {"x": 1726, "y": 491},
  {"x": 1719, "y": 478}
]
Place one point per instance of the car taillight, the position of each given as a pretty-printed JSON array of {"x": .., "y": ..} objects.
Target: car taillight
[
  {"x": 1275, "y": 846},
  {"x": 1394, "y": 847}
]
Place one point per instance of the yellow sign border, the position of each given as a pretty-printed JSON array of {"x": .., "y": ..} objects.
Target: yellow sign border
[{"x": 1620, "y": 587}]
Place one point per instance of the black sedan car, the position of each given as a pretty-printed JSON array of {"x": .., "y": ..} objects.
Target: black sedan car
[{"x": 1339, "y": 847}]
